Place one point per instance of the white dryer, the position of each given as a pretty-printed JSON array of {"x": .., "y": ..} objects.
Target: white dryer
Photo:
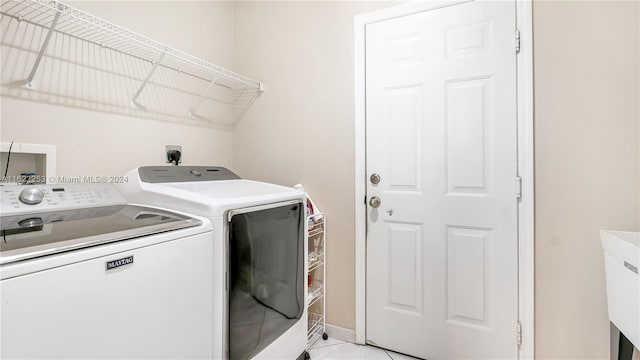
[{"x": 259, "y": 243}]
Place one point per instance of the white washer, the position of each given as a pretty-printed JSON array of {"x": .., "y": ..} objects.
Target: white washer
[
  {"x": 260, "y": 247},
  {"x": 85, "y": 275}
]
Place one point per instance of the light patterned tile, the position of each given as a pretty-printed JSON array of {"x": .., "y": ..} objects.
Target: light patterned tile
[
  {"x": 348, "y": 351},
  {"x": 328, "y": 342},
  {"x": 396, "y": 356}
]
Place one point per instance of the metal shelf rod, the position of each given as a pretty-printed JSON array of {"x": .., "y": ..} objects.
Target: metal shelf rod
[
  {"x": 146, "y": 80},
  {"x": 192, "y": 111},
  {"x": 43, "y": 48},
  {"x": 248, "y": 104}
]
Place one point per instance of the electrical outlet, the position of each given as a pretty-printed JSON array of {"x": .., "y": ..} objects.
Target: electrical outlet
[{"x": 170, "y": 148}]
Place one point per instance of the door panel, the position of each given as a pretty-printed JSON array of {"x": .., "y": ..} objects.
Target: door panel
[
  {"x": 441, "y": 132},
  {"x": 405, "y": 263},
  {"x": 467, "y": 103},
  {"x": 404, "y": 156},
  {"x": 467, "y": 250}
]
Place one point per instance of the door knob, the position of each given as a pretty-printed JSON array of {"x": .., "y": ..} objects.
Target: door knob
[
  {"x": 375, "y": 179},
  {"x": 374, "y": 202}
]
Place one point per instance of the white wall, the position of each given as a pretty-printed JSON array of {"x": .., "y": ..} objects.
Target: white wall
[
  {"x": 93, "y": 143},
  {"x": 587, "y": 139},
  {"x": 302, "y": 128},
  {"x": 101, "y": 143}
]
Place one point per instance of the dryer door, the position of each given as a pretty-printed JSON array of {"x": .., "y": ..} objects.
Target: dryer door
[{"x": 266, "y": 267}]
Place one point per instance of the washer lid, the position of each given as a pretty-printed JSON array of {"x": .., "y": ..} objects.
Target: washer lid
[{"x": 33, "y": 235}]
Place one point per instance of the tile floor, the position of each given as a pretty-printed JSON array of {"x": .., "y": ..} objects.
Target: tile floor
[{"x": 337, "y": 349}]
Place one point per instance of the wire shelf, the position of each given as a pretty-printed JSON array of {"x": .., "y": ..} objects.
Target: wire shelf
[
  {"x": 316, "y": 259},
  {"x": 315, "y": 328},
  {"x": 315, "y": 321},
  {"x": 65, "y": 47},
  {"x": 313, "y": 337},
  {"x": 315, "y": 230},
  {"x": 316, "y": 278},
  {"x": 315, "y": 293}
]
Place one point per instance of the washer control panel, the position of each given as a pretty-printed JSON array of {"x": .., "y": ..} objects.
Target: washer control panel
[{"x": 41, "y": 197}]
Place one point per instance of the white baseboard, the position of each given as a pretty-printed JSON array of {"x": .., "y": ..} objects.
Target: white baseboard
[{"x": 340, "y": 333}]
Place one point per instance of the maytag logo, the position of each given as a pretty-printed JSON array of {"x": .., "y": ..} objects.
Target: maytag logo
[{"x": 114, "y": 264}]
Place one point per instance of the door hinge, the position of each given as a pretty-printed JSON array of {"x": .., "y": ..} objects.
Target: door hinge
[
  {"x": 519, "y": 334},
  {"x": 517, "y": 41},
  {"x": 518, "y": 187}
]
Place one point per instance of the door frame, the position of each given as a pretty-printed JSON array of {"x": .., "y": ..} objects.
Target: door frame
[{"x": 524, "y": 65}]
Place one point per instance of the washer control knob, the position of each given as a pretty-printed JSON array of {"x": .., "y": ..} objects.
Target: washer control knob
[{"x": 31, "y": 196}]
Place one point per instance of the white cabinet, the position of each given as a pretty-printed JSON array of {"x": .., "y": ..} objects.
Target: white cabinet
[{"x": 622, "y": 261}]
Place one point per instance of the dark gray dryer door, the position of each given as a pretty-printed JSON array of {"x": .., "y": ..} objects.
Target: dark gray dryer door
[{"x": 266, "y": 269}]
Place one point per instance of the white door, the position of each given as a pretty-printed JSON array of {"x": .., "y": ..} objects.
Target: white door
[{"x": 442, "y": 265}]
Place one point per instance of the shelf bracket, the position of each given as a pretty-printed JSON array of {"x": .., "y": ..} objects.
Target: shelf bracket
[
  {"x": 240, "y": 93},
  {"x": 29, "y": 85},
  {"x": 240, "y": 114},
  {"x": 259, "y": 90},
  {"x": 146, "y": 80},
  {"x": 192, "y": 111}
]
